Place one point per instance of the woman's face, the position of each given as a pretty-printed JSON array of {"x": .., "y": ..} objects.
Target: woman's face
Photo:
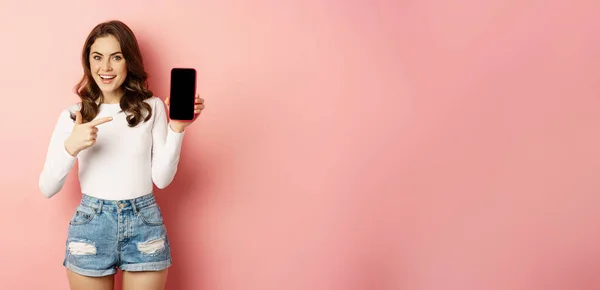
[{"x": 107, "y": 64}]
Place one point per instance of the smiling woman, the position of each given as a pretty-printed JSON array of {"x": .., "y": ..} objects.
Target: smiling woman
[
  {"x": 118, "y": 224},
  {"x": 113, "y": 64},
  {"x": 110, "y": 71}
]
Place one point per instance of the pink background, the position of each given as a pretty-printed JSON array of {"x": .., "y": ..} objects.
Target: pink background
[{"x": 378, "y": 145}]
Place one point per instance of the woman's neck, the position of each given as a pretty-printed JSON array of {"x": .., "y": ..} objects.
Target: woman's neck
[{"x": 112, "y": 98}]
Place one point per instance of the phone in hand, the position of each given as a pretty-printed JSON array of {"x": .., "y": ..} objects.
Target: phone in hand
[{"x": 182, "y": 94}]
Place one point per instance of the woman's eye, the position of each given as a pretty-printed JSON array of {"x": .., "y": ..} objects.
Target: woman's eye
[
  {"x": 118, "y": 57},
  {"x": 97, "y": 57}
]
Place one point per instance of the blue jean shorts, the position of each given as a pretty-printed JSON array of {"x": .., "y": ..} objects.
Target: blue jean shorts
[{"x": 106, "y": 235}]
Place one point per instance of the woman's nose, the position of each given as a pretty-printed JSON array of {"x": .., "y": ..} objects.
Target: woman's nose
[{"x": 106, "y": 66}]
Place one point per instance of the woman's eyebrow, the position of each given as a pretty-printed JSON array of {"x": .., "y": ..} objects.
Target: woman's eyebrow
[{"x": 110, "y": 54}]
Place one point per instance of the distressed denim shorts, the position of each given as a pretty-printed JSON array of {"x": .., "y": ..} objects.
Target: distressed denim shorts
[{"x": 105, "y": 235}]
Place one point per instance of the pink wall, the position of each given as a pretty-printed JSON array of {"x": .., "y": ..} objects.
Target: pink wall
[{"x": 420, "y": 145}]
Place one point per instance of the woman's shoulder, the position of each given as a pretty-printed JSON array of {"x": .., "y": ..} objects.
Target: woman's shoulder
[
  {"x": 71, "y": 109},
  {"x": 156, "y": 103},
  {"x": 67, "y": 114},
  {"x": 153, "y": 100}
]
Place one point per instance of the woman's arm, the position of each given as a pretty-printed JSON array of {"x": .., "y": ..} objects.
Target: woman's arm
[
  {"x": 166, "y": 148},
  {"x": 58, "y": 161}
]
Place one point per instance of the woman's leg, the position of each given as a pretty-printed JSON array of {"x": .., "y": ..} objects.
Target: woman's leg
[
  {"x": 147, "y": 280},
  {"x": 79, "y": 282}
]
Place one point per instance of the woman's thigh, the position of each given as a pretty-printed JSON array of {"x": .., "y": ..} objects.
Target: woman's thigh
[
  {"x": 147, "y": 280},
  {"x": 80, "y": 282}
]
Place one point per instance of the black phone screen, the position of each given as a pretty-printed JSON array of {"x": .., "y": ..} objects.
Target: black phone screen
[{"x": 182, "y": 94}]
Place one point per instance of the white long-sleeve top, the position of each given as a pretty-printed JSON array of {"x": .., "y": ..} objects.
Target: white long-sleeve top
[{"x": 124, "y": 162}]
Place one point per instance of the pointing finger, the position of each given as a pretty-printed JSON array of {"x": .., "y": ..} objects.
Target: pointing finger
[{"x": 100, "y": 121}]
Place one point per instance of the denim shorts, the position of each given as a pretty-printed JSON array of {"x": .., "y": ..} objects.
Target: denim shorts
[{"x": 106, "y": 235}]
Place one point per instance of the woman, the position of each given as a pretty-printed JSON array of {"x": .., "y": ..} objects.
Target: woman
[{"x": 120, "y": 136}]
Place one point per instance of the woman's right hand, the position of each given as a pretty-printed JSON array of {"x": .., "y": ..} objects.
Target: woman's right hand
[{"x": 83, "y": 135}]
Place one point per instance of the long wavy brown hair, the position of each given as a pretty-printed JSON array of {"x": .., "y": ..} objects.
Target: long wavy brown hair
[{"x": 135, "y": 85}]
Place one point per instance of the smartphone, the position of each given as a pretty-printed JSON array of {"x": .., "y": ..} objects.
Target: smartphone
[{"x": 182, "y": 94}]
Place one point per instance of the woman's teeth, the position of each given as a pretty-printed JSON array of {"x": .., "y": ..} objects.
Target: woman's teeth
[{"x": 107, "y": 77}]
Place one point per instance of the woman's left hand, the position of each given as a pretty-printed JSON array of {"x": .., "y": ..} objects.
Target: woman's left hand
[{"x": 180, "y": 125}]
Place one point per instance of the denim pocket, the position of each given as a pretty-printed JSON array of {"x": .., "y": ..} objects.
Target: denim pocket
[
  {"x": 83, "y": 215},
  {"x": 151, "y": 215}
]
